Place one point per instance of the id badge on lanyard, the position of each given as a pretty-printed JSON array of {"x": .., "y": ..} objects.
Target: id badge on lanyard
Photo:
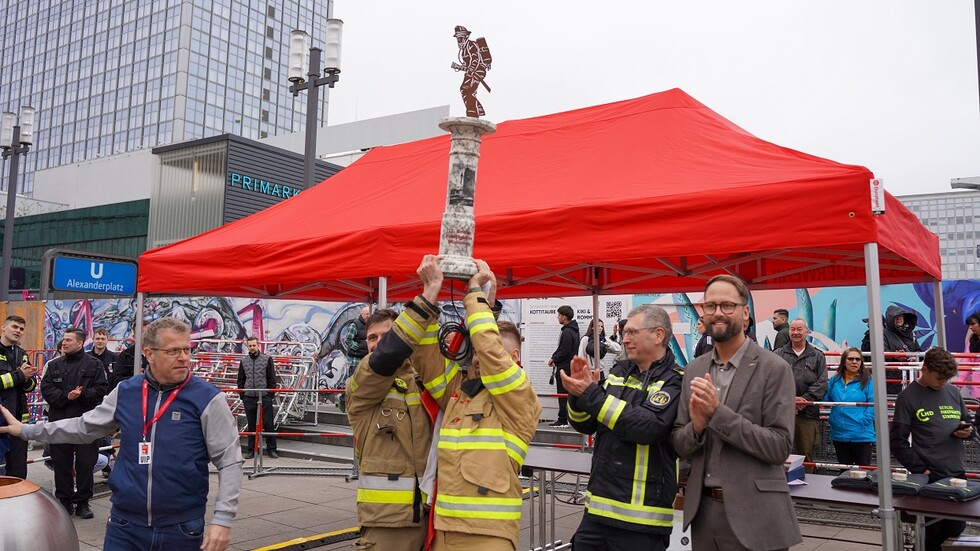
[
  {"x": 145, "y": 456},
  {"x": 145, "y": 449}
]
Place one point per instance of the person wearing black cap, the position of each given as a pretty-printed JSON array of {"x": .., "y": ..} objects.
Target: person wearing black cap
[{"x": 899, "y": 336}]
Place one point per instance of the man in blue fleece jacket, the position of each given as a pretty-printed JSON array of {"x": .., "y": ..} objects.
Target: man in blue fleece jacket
[{"x": 171, "y": 424}]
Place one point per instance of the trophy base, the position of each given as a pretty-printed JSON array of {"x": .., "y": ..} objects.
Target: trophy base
[{"x": 457, "y": 267}]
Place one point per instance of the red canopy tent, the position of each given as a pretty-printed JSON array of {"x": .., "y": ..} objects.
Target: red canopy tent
[{"x": 651, "y": 194}]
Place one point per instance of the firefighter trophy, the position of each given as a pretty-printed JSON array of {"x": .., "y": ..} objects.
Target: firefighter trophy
[{"x": 458, "y": 225}]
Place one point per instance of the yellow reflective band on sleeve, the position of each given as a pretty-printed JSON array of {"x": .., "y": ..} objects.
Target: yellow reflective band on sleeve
[
  {"x": 409, "y": 326},
  {"x": 611, "y": 409},
  {"x": 411, "y": 398},
  {"x": 352, "y": 384},
  {"x": 640, "y": 474},
  {"x": 496, "y": 508},
  {"x": 481, "y": 321},
  {"x": 632, "y": 382},
  {"x": 501, "y": 383},
  {"x": 431, "y": 335},
  {"x": 627, "y": 512},
  {"x": 31, "y": 384},
  {"x": 577, "y": 416},
  {"x": 25, "y": 418},
  {"x": 7, "y": 379},
  {"x": 516, "y": 448},
  {"x": 436, "y": 387}
]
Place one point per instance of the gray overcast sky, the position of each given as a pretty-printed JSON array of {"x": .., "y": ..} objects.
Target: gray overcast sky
[{"x": 887, "y": 84}]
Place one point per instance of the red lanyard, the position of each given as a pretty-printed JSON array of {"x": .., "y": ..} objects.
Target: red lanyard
[{"x": 147, "y": 425}]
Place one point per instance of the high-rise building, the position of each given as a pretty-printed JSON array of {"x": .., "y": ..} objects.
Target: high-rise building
[
  {"x": 953, "y": 217},
  {"x": 113, "y": 76}
]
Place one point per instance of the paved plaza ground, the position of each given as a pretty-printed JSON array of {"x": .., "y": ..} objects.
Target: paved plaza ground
[{"x": 278, "y": 508}]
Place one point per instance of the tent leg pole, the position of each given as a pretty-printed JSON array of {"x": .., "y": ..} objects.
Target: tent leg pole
[
  {"x": 138, "y": 333},
  {"x": 595, "y": 332},
  {"x": 382, "y": 292},
  {"x": 937, "y": 294},
  {"x": 889, "y": 520}
]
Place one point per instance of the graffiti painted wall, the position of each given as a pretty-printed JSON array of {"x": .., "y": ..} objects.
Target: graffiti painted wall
[
  {"x": 319, "y": 323},
  {"x": 835, "y": 314}
]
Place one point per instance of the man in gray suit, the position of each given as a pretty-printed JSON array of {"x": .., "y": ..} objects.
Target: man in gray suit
[{"x": 735, "y": 424}]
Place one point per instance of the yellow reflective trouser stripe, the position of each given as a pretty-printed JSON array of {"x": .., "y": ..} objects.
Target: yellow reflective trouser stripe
[
  {"x": 627, "y": 512},
  {"x": 7, "y": 379},
  {"x": 611, "y": 409},
  {"x": 497, "y": 508},
  {"x": 431, "y": 335},
  {"x": 640, "y": 474},
  {"x": 484, "y": 439},
  {"x": 577, "y": 416},
  {"x": 502, "y": 383},
  {"x": 409, "y": 326},
  {"x": 481, "y": 321}
]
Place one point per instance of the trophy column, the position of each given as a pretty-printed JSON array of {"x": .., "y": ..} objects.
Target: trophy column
[{"x": 458, "y": 226}]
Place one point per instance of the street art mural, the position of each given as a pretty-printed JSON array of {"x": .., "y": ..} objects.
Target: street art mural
[
  {"x": 319, "y": 323},
  {"x": 834, "y": 314}
]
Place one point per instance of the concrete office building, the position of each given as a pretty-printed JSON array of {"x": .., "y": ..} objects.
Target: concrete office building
[
  {"x": 953, "y": 217},
  {"x": 109, "y": 77}
]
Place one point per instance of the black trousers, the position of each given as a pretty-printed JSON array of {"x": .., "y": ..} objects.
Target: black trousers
[
  {"x": 937, "y": 533},
  {"x": 17, "y": 458},
  {"x": 853, "y": 453},
  {"x": 562, "y": 402},
  {"x": 595, "y": 536},
  {"x": 251, "y": 404},
  {"x": 73, "y": 464}
]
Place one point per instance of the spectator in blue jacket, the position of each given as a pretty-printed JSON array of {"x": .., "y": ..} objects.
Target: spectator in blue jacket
[{"x": 852, "y": 428}]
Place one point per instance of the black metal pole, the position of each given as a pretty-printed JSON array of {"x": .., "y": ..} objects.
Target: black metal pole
[
  {"x": 8, "y": 223},
  {"x": 312, "y": 100}
]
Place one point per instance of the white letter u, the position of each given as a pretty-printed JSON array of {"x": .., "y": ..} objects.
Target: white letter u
[{"x": 99, "y": 274}]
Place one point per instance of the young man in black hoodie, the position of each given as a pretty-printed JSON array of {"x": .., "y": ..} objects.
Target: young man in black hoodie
[
  {"x": 561, "y": 359},
  {"x": 72, "y": 385}
]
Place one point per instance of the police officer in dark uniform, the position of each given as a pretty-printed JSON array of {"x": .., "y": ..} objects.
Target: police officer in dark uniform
[
  {"x": 72, "y": 385},
  {"x": 16, "y": 381}
]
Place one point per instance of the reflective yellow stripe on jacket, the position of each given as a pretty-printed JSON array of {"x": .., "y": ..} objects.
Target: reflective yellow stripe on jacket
[
  {"x": 495, "y": 508},
  {"x": 379, "y": 489},
  {"x": 484, "y": 439},
  {"x": 504, "y": 382},
  {"x": 628, "y": 512},
  {"x": 634, "y": 511},
  {"x": 481, "y": 321},
  {"x": 7, "y": 379},
  {"x": 437, "y": 386}
]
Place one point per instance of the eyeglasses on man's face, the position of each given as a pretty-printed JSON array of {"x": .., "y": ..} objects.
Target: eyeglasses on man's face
[
  {"x": 633, "y": 333},
  {"x": 726, "y": 307},
  {"x": 174, "y": 352}
]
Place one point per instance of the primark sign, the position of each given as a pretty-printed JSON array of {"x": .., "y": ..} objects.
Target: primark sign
[{"x": 261, "y": 186}]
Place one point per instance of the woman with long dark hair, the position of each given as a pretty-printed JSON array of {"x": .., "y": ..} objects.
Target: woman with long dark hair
[
  {"x": 973, "y": 324},
  {"x": 852, "y": 428}
]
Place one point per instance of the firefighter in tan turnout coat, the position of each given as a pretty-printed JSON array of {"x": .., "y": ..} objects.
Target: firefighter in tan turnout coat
[
  {"x": 490, "y": 413},
  {"x": 392, "y": 431}
]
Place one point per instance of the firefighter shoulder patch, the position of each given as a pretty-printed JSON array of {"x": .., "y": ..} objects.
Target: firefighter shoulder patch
[{"x": 659, "y": 398}]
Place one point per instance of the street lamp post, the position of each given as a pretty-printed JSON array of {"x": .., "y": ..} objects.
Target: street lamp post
[
  {"x": 15, "y": 140},
  {"x": 331, "y": 74}
]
